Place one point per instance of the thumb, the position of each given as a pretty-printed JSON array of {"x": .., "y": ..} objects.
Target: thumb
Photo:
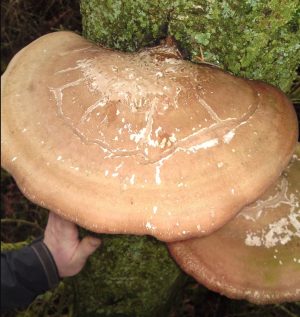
[{"x": 86, "y": 247}]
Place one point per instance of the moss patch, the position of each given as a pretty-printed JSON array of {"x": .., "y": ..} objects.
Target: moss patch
[
  {"x": 126, "y": 25},
  {"x": 129, "y": 276}
]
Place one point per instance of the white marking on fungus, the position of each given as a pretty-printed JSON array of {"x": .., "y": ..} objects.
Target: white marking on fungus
[
  {"x": 279, "y": 232},
  {"x": 228, "y": 136},
  {"x": 136, "y": 137},
  {"x": 157, "y": 175},
  {"x": 119, "y": 166},
  {"x": 150, "y": 226},
  {"x": 132, "y": 179},
  {"x": 204, "y": 145},
  {"x": 157, "y": 131},
  {"x": 173, "y": 138},
  {"x": 255, "y": 210},
  {"x": 163, "y": 143}
]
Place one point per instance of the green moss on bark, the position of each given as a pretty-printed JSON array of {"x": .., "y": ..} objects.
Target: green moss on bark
[
  {"x": 252, "y": 38},
  {"x": 126, "y": 25},
  {"x": 255, "y": 39},
  {"x": 130, "y": 276}
]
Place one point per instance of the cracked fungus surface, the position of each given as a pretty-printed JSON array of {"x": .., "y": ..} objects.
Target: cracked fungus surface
[
  {"x": 256, "y": 256},
  {"x": 142, "y": 143}
]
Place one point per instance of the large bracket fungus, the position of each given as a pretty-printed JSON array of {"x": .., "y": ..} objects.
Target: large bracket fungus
[
  {"x": 141, "y": 143},
  {"x": 256, "y": 256}
]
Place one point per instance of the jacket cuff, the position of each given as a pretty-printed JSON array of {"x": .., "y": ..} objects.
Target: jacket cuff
[{"x": 47, "y": 262}]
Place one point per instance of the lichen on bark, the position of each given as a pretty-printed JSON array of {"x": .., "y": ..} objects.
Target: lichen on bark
[{"x": 253, "y": 38}]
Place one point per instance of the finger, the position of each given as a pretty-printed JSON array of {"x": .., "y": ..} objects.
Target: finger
[{"x": 86, "y": 247}]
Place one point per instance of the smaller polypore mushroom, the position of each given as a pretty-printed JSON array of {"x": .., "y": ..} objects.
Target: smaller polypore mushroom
[
  {"x": 256, "y": 256},
  {"x": 141, "y": 143}
]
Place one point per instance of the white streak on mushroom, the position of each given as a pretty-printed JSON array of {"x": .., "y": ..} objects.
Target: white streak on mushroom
[
  {"x": 67, "y": 70},
  {"x": 157, "y": 131},
  {"x": 119, "y": 166},
  {"x": 157, "y": 174},
  {"x": 228, "y": 136},
  {"x": 78, "y": 50},
  {"x": 209, "y": 109},
  {"x": 255, "y": 210},
  {"x": 99, "y": 103},
  {"x": 132, "y": 179},
  {"x": 204, "y": 145}
]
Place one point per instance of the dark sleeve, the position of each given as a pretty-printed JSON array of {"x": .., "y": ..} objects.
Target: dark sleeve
[{"x": 26, "y": 273}]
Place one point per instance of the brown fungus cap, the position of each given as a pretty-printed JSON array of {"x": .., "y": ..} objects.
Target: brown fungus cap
[
  {"x": 256, "y": 256},
  {"x": 143, "y": 143}
]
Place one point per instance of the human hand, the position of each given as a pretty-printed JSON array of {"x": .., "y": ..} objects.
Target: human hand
[{"x": 69, "y": 253}]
